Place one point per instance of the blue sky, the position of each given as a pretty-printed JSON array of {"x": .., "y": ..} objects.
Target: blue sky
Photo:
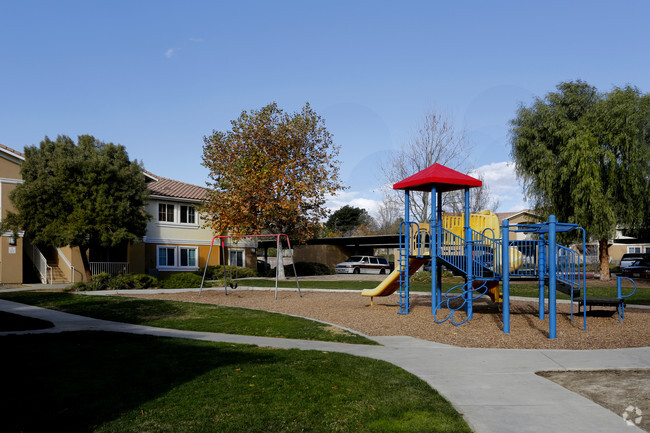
[{"x": 157, "y": 76}]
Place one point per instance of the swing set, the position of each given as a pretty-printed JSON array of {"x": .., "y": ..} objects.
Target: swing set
[{"x": 278, "y": 241}]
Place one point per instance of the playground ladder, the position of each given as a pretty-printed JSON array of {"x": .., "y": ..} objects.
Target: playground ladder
[{"x": 403, "y": 263}]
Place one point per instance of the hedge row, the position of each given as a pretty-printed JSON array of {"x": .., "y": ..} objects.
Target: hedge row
[{"x": 190, "y": 279}]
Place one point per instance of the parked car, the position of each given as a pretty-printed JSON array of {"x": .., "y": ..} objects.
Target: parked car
[
  {"x": 364, "y": 264},
  {"x": 629, "y": 258},
  {"x": 427, "y": 267},
  {"x": 262, "y": 267},
  {"x": 639, "y": 269}
]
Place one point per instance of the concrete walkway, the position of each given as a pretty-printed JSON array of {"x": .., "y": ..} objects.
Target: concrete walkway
[{"x": 496, "y": 390}]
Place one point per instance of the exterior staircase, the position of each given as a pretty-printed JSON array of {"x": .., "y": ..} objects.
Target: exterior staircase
[{"x": 57, "y": 275}]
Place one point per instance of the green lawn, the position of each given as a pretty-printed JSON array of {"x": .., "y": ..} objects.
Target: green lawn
[
  {"x": 109, "y": 382},
  {"x": 529, "y": 289},
  {"x": 187, "y": 316}
]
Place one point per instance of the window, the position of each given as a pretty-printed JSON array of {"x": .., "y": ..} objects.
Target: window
[
  {"x": 188, "y": 257},
  {"x": 178, "y": 257},
  {"x": 633, "y": 249},
  {"x": 236, "y": 258},
  {"x": 166, "y": 212},
  {"x": 188, "y": 214},
  {"x": 166, "y": 256}
]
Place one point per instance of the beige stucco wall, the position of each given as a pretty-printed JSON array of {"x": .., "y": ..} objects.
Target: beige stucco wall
[
  {"x": 136, "y": 258},
  {"x": 11, "y": 261},
  {"x": 9, "y": 169},
  {"x": 11, "y": 264},
  {"x": 73, "y": 254},
  {"x": 7, "y": 205},
  {"x": 170, "y": 231}
]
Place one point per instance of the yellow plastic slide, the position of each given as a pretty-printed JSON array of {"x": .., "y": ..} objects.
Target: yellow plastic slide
[{"x": 391, "y": 283}]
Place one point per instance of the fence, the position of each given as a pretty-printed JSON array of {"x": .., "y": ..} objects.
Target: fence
[{"x": 109, "y": 268}]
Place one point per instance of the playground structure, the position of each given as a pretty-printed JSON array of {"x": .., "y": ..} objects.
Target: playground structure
[
  {"x": 477, "y": 248},
  {"x": 278, "y": 240}
]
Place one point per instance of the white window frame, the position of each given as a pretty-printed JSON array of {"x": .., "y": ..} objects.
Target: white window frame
[
  {"x": 243, "y": 256},
  {"x": 634, "y": 249},
  {"x": 173, "y": 213},
  {"x": 196, "y": 257},
  {"x": 177, "y": 258},
  {"x": 166, "y": 248},
  {"x": 177, "y": 207},
  {"x": 186, "y": 214}
]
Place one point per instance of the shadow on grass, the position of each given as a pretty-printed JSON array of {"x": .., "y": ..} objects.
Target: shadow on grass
[
  {"x": 16, "y": 322},
  {"x": 117, "y": 309},
  {"x": 78, "y": 381}
]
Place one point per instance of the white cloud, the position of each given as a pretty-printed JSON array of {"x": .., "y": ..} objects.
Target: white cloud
[
  {"x": 503, "y": 183},
  {"x": 169, "y": 53},
  {"x": 351, "y": 198},
  {"x": 197, "y": 40}
]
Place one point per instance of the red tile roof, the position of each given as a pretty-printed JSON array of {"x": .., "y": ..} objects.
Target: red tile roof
[
  {"x": 14, "y": 151},
  {"x": 175, "y": 189},
  {"x": 443, "y": 178}
]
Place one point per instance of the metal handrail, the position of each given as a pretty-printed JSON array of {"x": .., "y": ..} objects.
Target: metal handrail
[
  {"x": 39, "y": 260},
  {"x": 452, "y": 249},
  {"x": 619, "y": 293}
]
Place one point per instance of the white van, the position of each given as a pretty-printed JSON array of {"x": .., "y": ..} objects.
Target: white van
[{"x": 364, "y": 265}]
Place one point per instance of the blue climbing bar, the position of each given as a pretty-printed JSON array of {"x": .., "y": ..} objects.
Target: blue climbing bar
[{"x": 505, "y": 232}]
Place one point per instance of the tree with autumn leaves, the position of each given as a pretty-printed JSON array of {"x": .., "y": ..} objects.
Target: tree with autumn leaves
[{"x": 271, "y": 173}]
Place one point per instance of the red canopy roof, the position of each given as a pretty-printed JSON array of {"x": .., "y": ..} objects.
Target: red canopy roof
[{"x": 443, "y": 178}]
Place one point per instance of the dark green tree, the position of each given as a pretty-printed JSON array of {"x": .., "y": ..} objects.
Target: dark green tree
[
  {"x": 84, "y": 195},
  {"x": 585, "y": 157},
  {"x": 347, "y": 219}
]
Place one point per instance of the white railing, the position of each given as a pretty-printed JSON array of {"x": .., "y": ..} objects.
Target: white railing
[
  {"x": 67, "y": 262},
  {"x": 40, "y": 262},
  {"x": 109, "y": 268}
]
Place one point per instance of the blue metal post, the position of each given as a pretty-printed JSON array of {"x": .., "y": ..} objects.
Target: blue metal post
[
  {"x": 505, "y": 233},
  {"x": 584, "y": 279},
  {"x": 551, "y": 278},
  {"x": 438, "y": 247},
  {"x": 407, "y": 253},
  {"x": 469, "y": 295},
  {"x": 433, "y": 250},
  {"x": 541, "y": 270},
  {"x": 619, "y": 295}
]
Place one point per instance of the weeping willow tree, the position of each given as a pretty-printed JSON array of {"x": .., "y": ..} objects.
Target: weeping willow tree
[{"x": 585, "y": 157}]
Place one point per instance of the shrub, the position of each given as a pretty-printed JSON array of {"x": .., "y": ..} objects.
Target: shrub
[
  {"x": 182, "y": 280},
  {"x": 305, "y": 269},
  {"x": 77, "y": 287},
  {"x": 106, "y": 281},
  {"x": 421, "y": 277},
  {"x": 216, "y": 272},
  {"x": 132, "y": 281},
  {"x": 99, "y": 281}
]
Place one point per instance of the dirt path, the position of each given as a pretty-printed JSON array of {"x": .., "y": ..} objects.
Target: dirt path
[{"x": 624, "y": 392}]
